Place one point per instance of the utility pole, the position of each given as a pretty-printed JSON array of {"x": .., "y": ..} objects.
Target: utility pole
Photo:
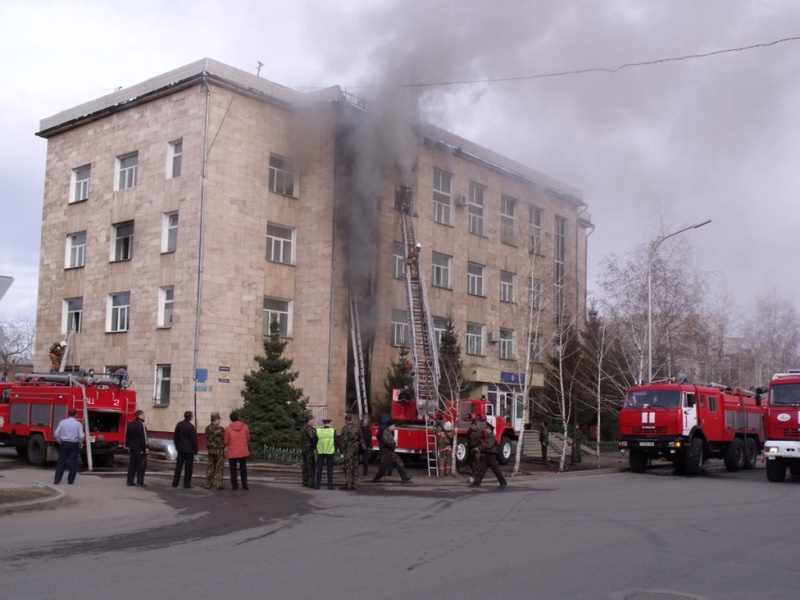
[{"x": 653, "y": 247}]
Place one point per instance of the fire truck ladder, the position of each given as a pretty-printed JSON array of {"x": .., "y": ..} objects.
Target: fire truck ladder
[
  {"x": 423, "y": 346},
  {"x": 358, "y": 358},
  {"x": 64, "y": 356}
]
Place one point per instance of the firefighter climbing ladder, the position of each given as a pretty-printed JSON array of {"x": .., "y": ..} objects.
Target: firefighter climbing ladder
[
  {"x": 358, "y": 358},
  {"x": 423, "y": 345}
]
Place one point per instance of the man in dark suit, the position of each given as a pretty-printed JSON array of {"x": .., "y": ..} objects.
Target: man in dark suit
[
  {"x": 136, "y": 442},
  {"x": 185, "y": 438}
]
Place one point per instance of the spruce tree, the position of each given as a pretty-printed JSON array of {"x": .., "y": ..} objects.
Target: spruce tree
[
  {"x": 453, "y": 382},
  {"x": 273, "y": 409},
  {"x": 399, "y": 376}
]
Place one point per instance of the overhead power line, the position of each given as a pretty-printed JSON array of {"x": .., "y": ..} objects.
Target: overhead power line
[{"x": 602, "y": 69}]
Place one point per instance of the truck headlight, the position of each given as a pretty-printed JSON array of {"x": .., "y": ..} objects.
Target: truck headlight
[{"x": 771, "y": 449}]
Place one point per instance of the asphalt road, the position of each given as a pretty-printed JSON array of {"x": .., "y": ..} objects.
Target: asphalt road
[{"x": 652, "y": 536}]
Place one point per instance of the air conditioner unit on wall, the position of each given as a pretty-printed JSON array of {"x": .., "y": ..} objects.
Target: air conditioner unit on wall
[
  {"x": 461, "y": 200},
  {"x": 494, "y": 336}
]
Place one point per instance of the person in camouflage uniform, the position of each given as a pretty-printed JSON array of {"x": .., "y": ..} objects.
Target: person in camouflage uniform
[
  {"x": 216, "y": 453},
  {"x": 308, "y": 445},
  {"x": 389, "y": 456},
  {"x": 350, "y": 443},
  {"x": 489, "y": 455},
  {"x": 473, "y": 450},
  {"x": 444, "y": 445}
]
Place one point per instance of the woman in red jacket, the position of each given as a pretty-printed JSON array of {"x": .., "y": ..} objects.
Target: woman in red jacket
[{"x": 237, "y": 443}]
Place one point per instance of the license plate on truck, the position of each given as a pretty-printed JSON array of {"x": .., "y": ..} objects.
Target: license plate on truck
[{"x": 647, "y": 443}]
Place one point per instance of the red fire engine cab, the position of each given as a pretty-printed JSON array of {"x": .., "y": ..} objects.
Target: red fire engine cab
[
  {"x": 782, "y": 426},
  {"x": 688, "y": 424},
  {"x": 32, "y": 406},
  {"x": 414, "y": 435}
]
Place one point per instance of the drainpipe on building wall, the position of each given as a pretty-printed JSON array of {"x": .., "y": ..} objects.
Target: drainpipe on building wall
[
  {"x": 576, "y": 451},
  {"x": 333, "y": 246},
  {"x": 200, "y": 254},
  {"x": 577, "y": 258}
]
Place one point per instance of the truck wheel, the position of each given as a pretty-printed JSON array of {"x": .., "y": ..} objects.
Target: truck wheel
[
  {"x": 734, "y": 455},
  {"x": 37, "y": 450},
  {"x": 776, "y": 470},
  {"x": 750, "y": 453},
  {"x": 504, "y": 452},
  {"x": 694, "y": 457},
  {"x": 638, "y": 460},
  {"x": 461, "y": 453}
]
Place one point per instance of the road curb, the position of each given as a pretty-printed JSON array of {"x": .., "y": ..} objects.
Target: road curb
[{"x": 56, "y": 499}]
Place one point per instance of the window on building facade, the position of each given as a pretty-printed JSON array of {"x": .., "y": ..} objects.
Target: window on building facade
[
  {"x": 73, "y": 315},
  {"x": 535, "y": 230},
  {"x": 279, "y": 244},
  {"x": 80, "y": 183},
  {"x": 559, "y": 259},
  {"x": 166, "y": 303},
  {"x": 76, "y": 250},
  {"x": 175, "y": 158},
  {"x": 118, "y": 312},
  {"x": 400, "y": 333},
  {"x": 439, "y": 327},
  {"x": 474, "y": 339},
  {"x": 282, "y": 176},
  {"x": 475, "y": 279},
  {"x": 508, "y": 226},
  {"x": 127, "y": 169},
  {"x": 169, "y": 232},
  {"x": 161, "y": 388},
  {"x": 507, "y": 281},
  {"x": 442, "y": 196},
  {"x": 535, "y": 293},
  {"x": 507, "y": 344},
  {"x": 475, "y": 209},
  {"x": 441, "y": 270},
  {"x": 279, "y": 310},
  {"x": 123, "y": 241},
  {"x": 398, "y": 256}
]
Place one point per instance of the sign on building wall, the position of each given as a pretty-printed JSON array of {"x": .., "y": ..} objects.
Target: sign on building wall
[{"x": 512, "y": 378}]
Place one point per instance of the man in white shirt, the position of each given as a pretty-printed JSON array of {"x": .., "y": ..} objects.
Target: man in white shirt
[{"x": 69, "y": 435}]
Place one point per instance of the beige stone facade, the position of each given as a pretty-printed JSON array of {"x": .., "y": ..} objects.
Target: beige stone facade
[{"x": 246, "y": 235}]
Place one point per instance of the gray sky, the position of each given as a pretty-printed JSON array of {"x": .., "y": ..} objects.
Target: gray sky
[{"x": 680, "y": 141}]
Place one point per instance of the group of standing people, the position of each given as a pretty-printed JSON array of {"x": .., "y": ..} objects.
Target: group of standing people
[
  {"x": 319, "y": 446},
  {"x": 235, "y": 440}
]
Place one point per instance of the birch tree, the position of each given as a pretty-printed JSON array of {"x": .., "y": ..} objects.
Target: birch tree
[
  {"x": 563, "y": 381},
  {"x": 773, "y": 337},
  {"x": 18, "y": 343},
  {"x": 607, "y": 384},
  {"x": 453, "y": 382}
]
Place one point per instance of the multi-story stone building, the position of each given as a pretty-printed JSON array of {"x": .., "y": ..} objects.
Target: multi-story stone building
[{"x": 184, "y": 213}]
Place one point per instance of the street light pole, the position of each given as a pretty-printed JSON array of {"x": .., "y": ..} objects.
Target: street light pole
[{"x": 653, "y": 247}]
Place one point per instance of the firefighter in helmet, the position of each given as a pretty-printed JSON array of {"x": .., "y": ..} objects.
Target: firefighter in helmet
[{"x": 56, "y": 353}]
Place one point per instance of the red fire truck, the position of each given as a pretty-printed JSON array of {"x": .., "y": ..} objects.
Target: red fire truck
[
  {"x": 32, "y": 406},
  {"x": 688, "y": 424},
  {"x": 416, "y": 436},
  {"x": 782, "y": 426}
]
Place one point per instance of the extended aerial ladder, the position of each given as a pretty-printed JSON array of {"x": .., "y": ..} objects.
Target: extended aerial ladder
[
  {"x": 62, "y": 368},
  {"x": 358, "y": 358},
  {"x": 423, "y": 342}
]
